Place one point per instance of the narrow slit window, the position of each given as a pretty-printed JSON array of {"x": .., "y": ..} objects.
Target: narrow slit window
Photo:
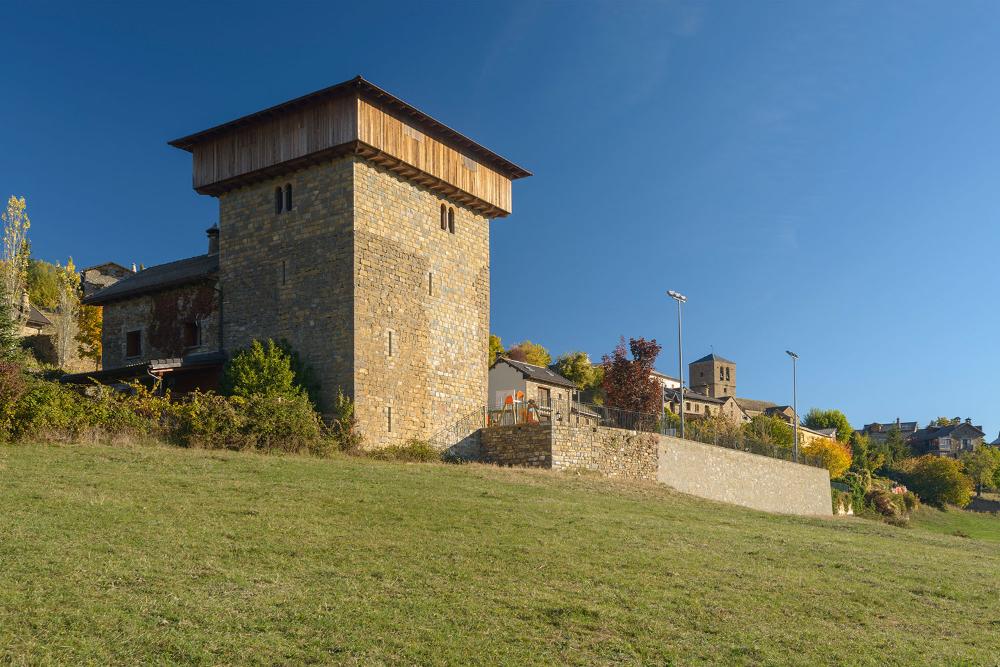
[
  {"x": 430, "y": 284},
  {"x": 444, "y": 218},
  {"x": 288, "y": 197},
  {"x": 284, "y": 272},
  {"x": 391, "y": 350},
  {"x": 451, "y": 220},
  {"x": 388, "y": 419},
  {"x": 278, "y": 200}
]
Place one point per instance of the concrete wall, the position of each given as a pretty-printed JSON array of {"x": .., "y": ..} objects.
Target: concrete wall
[{"x": 744, "y": 479}]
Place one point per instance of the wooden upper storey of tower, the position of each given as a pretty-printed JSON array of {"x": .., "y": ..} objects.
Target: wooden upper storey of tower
[{"x": 354, "y": 117}]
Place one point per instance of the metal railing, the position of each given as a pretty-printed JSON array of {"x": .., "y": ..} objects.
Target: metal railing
[
  {"x": 735, "y": 438},
  {"x": 459, "y": 430}
]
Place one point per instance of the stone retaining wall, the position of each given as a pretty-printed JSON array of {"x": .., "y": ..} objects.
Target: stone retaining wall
[
  {"x": 613, "y": 452},
  {"x": 528, "y": 445},
  {"x": 742, "y": 478}
]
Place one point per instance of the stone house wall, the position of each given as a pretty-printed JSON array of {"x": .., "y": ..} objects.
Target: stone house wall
[{"x": 159, "y": 318}]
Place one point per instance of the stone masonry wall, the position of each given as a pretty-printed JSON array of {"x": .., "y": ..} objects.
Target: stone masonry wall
[
  {"x": 429, "y": 289},
  {"x": 290, "y": 275},
  {"x": 159, "y": 318},
  {"x": 528, "y": 445},
  {"x": 613, "y": 452},
  {"x": 744, "y": 479}
]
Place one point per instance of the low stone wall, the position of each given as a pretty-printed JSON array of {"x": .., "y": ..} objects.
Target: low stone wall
[
  {"x": 613, "y": 452},
  {"x": 706, "y": 471},
  {"x": 528, "y": 445},
  {"x": 741, "y": 478}
]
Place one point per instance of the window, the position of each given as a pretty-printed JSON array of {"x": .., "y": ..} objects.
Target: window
[
  {"x": 727, "y": 372},
  {"x": 133, "y": 343},
  {"x": 278, "y": 200},
  {"x": 444, "y": 218},
  {"x": 288, "y": 197},
  {"x": 966, "y": 443},
  {"x": 192, "y": 334},
  {"x": 722, "y": 373},
  {"x": 284, "y": 272},
  {"x": 390, "y": 342},
  {"x": 544, "y": 397},
  {"x": 388, "y": 419},
  {"x": 944, "y": 444},
  {"x": 687, "y": 406},
  {"x": 451, "y": 220},
  {"x": 430, "y": 284}
]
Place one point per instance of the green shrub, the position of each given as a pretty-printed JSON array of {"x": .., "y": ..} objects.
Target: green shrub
[
  {"x": 344, "y": 428},
  {"x": 207, "y": 421},
  {"x": 263, "y": 369},
  {"x": 49, "y": 409},
  {"x": 12, "y": 386},
  {"x": 414, "y": 451},
  {"x": 937, "y": 480}
]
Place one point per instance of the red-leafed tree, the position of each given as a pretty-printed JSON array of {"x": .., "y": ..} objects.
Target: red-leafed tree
[{"x": 629, "y": 383}]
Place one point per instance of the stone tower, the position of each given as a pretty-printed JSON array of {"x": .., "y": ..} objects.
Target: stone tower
[
  {"x": 357, "y": 228},
  {"x": 713, "y": 376}
]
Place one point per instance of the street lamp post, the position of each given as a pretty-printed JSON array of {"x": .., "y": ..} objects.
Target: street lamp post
[
  {"x": 795, "y": 407},
  {"x": 680, "y": 299}
]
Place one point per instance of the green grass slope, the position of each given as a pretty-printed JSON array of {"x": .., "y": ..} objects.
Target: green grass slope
[{"x": 128, "y": 556}]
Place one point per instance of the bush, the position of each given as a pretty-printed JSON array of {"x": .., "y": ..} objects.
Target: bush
[
  {"x": 414, "y": 451},
  {"x": 49, "y": 409},
  {"x": 12, "y": 386},
  {"x": 263, "y": 369},
  {"x": 267, "y": 423},
  {"x": 937, "y": 480},
  {"x": 344, "y": 428},
  {"x": 832, "y": 455}
]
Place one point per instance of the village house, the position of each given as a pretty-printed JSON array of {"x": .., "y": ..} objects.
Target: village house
[
  {"x": 351, "y": 225},
  {"x": 951, "y": 440},
  {"x": 94, "y": 278},
  {"x": 878, "y": 432},
  {"x": 517, "y": 384}
]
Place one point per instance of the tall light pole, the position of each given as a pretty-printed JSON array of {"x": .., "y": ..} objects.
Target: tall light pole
[
  {"x": 680, "y": 299},
  {"x": 795, "y": 407}
]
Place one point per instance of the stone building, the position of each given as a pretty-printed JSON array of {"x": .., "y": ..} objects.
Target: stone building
[
  {"x": 951, "y": 440},
  {"x": 518, "y": 383},
  {"x": 713, "y": 376},
  {"x": 164, "y": 321},
  {"x": 355, "y": 227},
  {"x": 94, "y": 278}
]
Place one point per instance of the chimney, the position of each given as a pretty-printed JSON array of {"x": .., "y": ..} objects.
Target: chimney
[
  {"x": 213, "y": 239},
  {"x": 968, "y": 420}
]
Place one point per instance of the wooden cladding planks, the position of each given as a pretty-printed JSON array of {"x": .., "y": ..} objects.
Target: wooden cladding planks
[
  {"x": 394, "y": 137},
  {"x": 320, "y": 127}
]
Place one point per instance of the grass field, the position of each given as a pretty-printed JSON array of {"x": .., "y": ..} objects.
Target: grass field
[{"x": 151, "y": 554}]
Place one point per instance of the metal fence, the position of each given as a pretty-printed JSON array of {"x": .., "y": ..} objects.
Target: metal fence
[{"x": 737, "y": 439}]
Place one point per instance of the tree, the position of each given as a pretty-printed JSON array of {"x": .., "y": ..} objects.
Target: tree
[
  {"x": 833, "y": 454},
  {"x": 938, "y": 480},
  {"x": 14, "y": 259},
  {"x": 530, "y": 353},
  {"x": 43, "y": 284},
  {"x": 9, "y": 332},
  {"x": 863, "y": 458},
  {"x": 981, "y": 465},
  {"x": 946, "y": 421},
  {"x": 628, "y": 383},
  {"x": 496, "y": 348},
  {"x": 769, "y": 430},
  {"x": 817, "y": 419},
  {"x": 64, "y": 319},
  {"x": 576, "y": 366},
  {"x": 88, "y": 338},
  {"x": 895, "y": 448}
]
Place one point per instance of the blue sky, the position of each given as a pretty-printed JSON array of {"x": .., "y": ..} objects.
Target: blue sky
[{"x": 814, "y": 176}]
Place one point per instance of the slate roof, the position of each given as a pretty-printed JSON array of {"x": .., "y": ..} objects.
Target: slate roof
[
  {"x": 537, "y": 373},
  {"x": 933, "y": 432},
  {"x": 156, "y": 278},
  {"x": 36, "y": 318},
  {"x": 755, "y": 405},
  {"x": 713, "y": 357},
  {"x": 693, "y": 396}
]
